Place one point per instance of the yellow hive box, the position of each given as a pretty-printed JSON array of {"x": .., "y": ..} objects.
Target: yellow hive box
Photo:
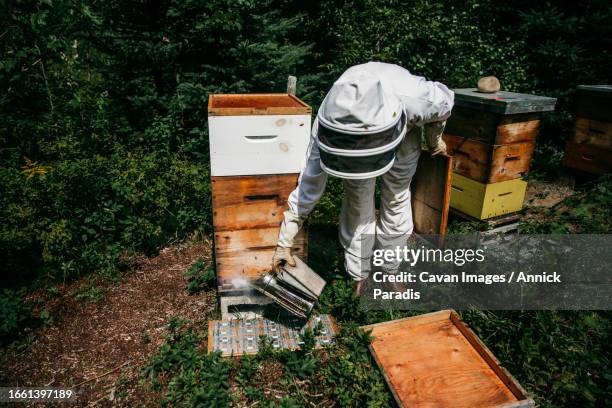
[{"x": 483, "y": 201}]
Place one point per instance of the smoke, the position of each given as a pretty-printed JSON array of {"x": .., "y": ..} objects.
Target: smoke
[{"x": 241, "y": 283}]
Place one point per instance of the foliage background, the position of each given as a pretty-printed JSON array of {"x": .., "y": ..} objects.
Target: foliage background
[
  {"x": 103, "y": 114},
  {"x": 103, "y": 130}
]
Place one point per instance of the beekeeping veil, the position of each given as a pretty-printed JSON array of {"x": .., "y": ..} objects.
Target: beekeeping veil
[{"x": 361, "y": 126}]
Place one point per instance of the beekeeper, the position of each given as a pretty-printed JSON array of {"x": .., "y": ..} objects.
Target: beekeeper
[{"x": 368, "y": 125}]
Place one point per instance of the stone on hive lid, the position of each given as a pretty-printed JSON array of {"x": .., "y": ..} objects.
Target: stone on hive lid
[{"x": 488, "y": 84}]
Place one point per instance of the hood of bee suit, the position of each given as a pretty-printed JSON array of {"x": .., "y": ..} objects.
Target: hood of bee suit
[{"x": 361, "y": 126}]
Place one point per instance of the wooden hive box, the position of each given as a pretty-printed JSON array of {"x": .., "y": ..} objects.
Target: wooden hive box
[
  {"x": 594, "y": 102},
  {"x": 497, "y": 118},
  {"x": 482, "y": 200},
  {"x": 436, "y": 360},
  {"x": 258, "y": 146},
  {"x": 488, "y": 163},
  {"x": 590, "y": 149},
  {"x": 492, "y": 136}
]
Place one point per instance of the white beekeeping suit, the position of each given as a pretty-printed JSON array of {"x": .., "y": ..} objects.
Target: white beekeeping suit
[{"x": 365, "y": 99}]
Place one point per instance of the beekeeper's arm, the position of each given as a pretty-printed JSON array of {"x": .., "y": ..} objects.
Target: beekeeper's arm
[
  {"x": 429, "y": 107},
  {"x": 310, "y": 188}
]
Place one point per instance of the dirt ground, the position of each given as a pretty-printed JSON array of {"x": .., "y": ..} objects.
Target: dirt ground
[
  {"x": 100, "y": 348},
  {"x": 542, "y": 194}
]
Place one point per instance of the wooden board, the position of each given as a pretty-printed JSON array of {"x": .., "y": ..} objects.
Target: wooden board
[
  {"x": 483, "y": 201},
  {"x": 247, "y": 213},
  {"x": 241, "y": 202},
  {"x": 594, "y": 102},
  {"x": 587, "y": 158},
  {"x": 435, "y": 360},
  {"x": 494, "y": 222},
  {"x": 593, "y": 133},
  {"x": 503, "y": 102},
  {"x": 256, "y": 104},
  {"x": 430, "y": 190},
  {"x": 493, "y": 128},
  {"x": 519, "y": 131},
  {"x": 247, "y": 254},
  {"x": 489, "y": 163}
]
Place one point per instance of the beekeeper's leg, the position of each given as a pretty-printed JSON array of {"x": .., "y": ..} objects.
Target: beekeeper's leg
[
  {"x": 395, "y": 222},
  {"x": 357, "y": 226}
]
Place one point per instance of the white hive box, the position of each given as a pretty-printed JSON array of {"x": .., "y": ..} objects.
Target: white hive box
[{"x": 256, "y": 134}]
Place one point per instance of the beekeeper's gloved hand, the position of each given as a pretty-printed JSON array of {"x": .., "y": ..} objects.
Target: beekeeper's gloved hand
[
  {"x": 290, "y": 227},
  {"x": 281, "y": 256},
  {"x": 433, "y": 135},
  {"x": 438, "y": 148}
]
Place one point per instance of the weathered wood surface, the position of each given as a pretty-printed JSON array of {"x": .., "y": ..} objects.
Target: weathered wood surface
[
  {"x": 247, "y": 213},
  {"x": 507, "y": 219},
  {"x": 491, "y": 127},
  {"x": 473, "y": 124},
  {"x": 246, "y": 254},
  {"x": 586, "y": 158},
  {"x": 524, "y": 131},
  {"x": 593, "y": 133},
  {"x": 489, "y": 163},
  {"x": 291, "y": 84},
  {"x": 256, "y": 104},
  {"x": 504, "y": 375},
  {"x": 594, "y": 102},
  {"x": 434, "y": 360},
  {"x": 503, "y": 102},
  {"x": 241, "y": 202},
  {"x": 430, "y": 190}
]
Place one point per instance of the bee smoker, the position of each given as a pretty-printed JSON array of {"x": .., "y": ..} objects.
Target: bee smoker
[{"x": 295, "y": 288}]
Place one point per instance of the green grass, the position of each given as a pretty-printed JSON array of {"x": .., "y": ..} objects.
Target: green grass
[{"x": 561, "y": 358}]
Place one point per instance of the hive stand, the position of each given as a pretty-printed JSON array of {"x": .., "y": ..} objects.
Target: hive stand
[{"x": 245, "y": 305}]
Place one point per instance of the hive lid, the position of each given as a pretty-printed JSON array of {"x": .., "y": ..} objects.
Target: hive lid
[
  {"x": 436, "y": 360},
  {"x": 594, "y": 102},
  {"x": 599, "y": 89},
  {"x": 503, "y": 102},
  {"x": 256, "y": 104}
]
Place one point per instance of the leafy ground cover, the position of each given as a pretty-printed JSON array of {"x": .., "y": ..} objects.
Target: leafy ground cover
[{"x": 143, "y": 339}]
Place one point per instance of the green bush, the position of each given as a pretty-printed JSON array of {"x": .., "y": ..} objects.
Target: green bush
[
  {"x": 104, "y": 147},
  {"x": 103, "y": 130},
  {"x": 199, "y": 277},
  {"x": 81, "y": 215},
  {"x": 15, "y": 315}
]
